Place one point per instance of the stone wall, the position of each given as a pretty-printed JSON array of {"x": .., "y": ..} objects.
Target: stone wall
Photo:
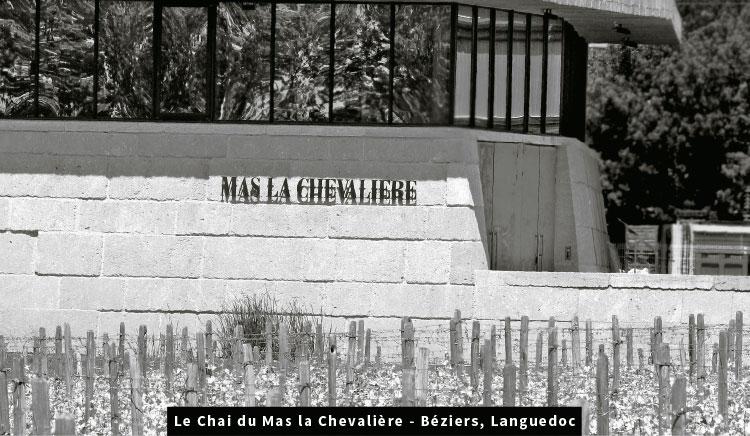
[
  {"x": 635, "y": 298},
  {"x": 105, "y": 221},
  {"x": 102, "y": 222}
]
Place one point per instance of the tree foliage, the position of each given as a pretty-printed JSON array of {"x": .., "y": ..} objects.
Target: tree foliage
[{"x": 671, "y": 123}]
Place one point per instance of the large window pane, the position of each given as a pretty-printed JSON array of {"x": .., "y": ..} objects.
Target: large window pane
[
  {"x": 66, "y": 64},
  {"x": 483, "y": 67},
  {"x": 302, "y": 62},
  {"x": 554, "y": 75},
  {"x": 182, "y": 69},
  {"x": 125, "y": 59},
  {"x": 243, "y": 73},
  {"x": 16, "y": 58},
  {"x": 535, "y": 73},
  {"x": 422, "y": 53},
  {"x": 361, "y": 69},
  {"x": 501, "y": 70},
  {"x": 464, "y": 39},
  {"x": 519, "y": 71}
]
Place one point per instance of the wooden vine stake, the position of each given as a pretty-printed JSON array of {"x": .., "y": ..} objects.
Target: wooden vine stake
[
  {"x": 475, "y": 355},
  {"x": 304, "y": 383},
  {"x": 722, "y": 369},
  {"x": 65, "y": 425},
  {"x": 738, "y": 324},
  {"x": 421, "y": 382},
  {"x": 539, "y": 349},
  {"x": 602, "y": 395},
  {"x": 487, "y": 368},
  {"x": 40, "y": 406},
  {"x": 114, "y": 389},
  {"x": 663, "y": 364},
  {"x": 523, "y": 356},
  {"x": 575, "y": 337},
  {"x": 615, "y": 355},
  {"x": 19, "y": 396},
  {"x": 700, "y": 353},
  {"x": 4, "y": 404},
  {"x": 552, "y": 379},
  {"x": 679, "y": 401},
  {"x": 332, "y": 371},
  {"x": 407, "y": 387},
  {"x": 191, "y": 385},
  {"x": 249, "y": 377},
  {"x": 691, "y": 347},
  {"x": 269, "y": 342},
  {"x": 589, "y": 343},
  {"x": 136, "y": 397}
]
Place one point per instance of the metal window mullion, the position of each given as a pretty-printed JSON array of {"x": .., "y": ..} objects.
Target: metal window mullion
[
  {"x": 545, "y": 60},
  {"x": 156, "y": 54},
  {"x": 37, "y": 54},
  {"x": 211, "y": 61},
  {"x": 453, "y": 54},
  {"x": 509, "y": 72},
  {"x": 491, "y": 74},
  {"x": 391, "y": 60},
  {"x": 95, "y": 99},
  {"x": 527, "y": 76},
  {"x": 331, "y": 48},
  {"x": 272, "y": 65},
  {"x": 473, "y": 77}
]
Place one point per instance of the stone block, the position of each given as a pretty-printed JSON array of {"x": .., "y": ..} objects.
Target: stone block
[
  {"x": 126, "y": 216},
  {"x": 428, "y": 262},
  {"x": 87, "y": 293},
  {"x": 43, "y": 214},
  {"x": 152, "y": 256},
  {"x": 465, "y": 258},
  {"x": 17, "y": 253},
  {"x": 69, "y": 254}
]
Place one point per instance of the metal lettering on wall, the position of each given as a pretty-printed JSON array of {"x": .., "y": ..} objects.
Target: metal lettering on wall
[{"x": 317, "y": 190}]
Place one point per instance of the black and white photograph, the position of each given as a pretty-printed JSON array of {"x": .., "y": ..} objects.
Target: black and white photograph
[{"x": 525, "y": 217}]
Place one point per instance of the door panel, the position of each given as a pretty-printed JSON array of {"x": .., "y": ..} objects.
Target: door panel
[
  {"x": 547, "y": 165},
  {"x": 515, "y": 206},
  {"x": 519, "y": 185}
]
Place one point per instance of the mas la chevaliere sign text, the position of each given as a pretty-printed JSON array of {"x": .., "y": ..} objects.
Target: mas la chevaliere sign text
[{"x": 311, "y": 190}]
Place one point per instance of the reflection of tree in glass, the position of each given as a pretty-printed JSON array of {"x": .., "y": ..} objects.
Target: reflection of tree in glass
[
  {"x": 243, "y": 47},
  {"x": 126, "y": 61},
  {"x": 183, "y": 60},
  {"x": 16, "y": 54},
  {"x": 302, "y": 58},
  {"x": 361, "y": 63},
  {"x": 66, "y": 58},
  {"x": 422, "y": 64}
]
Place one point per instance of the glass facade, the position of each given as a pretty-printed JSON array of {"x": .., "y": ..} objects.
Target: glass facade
[{"x": 312, "y": 62}]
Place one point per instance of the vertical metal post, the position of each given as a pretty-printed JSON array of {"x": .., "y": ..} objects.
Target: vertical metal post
[
  {"x": 391, "y": 59},
  {"x": 155, "y": 76},
  {"x": 211, "y": 63},
  {"x": 272, "y": 64},
  {"x": 37, "y": 55},
  {"x": 95, "y": 90},
  {"x": 491, "y": 73},
  {"x": 527, "y": 76},
  {"x": 331, "y": 61},
  {"x": 452, "y": 84},
  {"x": 509, "y": 74},
  {"x": 545, "y": 61},
  {"x": 473, "y": 78}
]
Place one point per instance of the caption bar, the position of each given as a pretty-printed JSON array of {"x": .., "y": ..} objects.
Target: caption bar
[{"x": 374, "y": 420}]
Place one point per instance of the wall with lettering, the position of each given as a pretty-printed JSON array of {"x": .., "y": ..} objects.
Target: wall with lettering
[{"x": 153, "y": 223}]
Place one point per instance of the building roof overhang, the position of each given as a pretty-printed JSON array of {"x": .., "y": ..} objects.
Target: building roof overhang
[{"x": 609, "y": 21}]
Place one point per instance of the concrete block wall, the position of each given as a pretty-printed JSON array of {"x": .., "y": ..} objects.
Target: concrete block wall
[
  {"x": 105, "y": 222},
  {"x": 636, "y": 299}
]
